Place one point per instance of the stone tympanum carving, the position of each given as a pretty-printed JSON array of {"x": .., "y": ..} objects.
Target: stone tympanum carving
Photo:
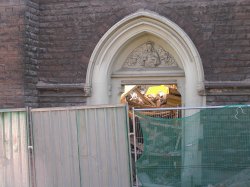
[{"x": 149, "y": 55}]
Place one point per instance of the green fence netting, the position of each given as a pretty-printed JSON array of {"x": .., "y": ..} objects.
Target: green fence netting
[{"x": 209, "y": 148}]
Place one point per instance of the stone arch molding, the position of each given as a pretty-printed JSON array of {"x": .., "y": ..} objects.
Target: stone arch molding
[{"x": 143, "y": 22}]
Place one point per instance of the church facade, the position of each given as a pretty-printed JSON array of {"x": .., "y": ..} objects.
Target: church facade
[{"x": 63, "y": 53}]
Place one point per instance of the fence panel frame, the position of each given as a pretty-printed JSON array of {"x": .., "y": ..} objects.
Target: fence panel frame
[
  {"x": 111, "y": 110},
  {"x": 17, "y": 140}
]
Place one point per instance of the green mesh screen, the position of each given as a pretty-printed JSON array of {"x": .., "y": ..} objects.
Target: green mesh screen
[{"x": 209, "y": 148}]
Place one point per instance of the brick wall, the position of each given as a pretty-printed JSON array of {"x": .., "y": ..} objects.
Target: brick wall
[
  {"x": 51, "y": 41},
  {"x": 69, "y": 31},
  {"x": 31, "y": 52},
  {"x": 11, "y": 53}
]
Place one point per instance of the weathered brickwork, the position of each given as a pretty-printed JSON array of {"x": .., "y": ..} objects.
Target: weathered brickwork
[
  {"x": 63, "y": 97},
  {"x": 69, "y": 31},
  {"x": 31, "y": 46},
  {"x": 51, "y": 41},
  {"x": 11, "y": 53}
]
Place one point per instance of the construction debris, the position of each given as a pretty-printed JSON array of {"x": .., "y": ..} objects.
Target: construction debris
[{"x": 138, "y": 98}]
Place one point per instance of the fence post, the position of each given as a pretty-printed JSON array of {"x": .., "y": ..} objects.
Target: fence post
[
  {"x": 191, "y": 174},
  {"x": 129, "y": 146},
  {"x": 30, "y": 143},
  {"x": 135, "y": 145}
]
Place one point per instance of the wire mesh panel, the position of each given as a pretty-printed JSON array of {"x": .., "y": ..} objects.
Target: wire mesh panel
[
  {"x": 14, "y": 169},
  {"x": 226, "y": 146},
  {"x": 137, "y": 138},
  {"x": 208, "y": 148},
  {"x": 154, "y": 113},
  {"x": 162, "y": 149}
]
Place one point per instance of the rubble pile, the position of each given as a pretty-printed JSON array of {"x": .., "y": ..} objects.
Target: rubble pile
[{"x": 138, "y": 98}]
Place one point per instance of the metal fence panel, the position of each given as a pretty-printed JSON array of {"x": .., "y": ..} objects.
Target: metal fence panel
[
  {"x": 14, "y": 171},
  {"x": 81, "y": 146},
  {"x": 55, "y": 148}
]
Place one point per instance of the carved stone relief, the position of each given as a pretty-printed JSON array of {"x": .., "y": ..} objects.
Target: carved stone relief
[{"x": 149, "y": 55}]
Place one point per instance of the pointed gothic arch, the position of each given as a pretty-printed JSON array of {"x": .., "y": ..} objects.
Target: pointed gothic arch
[{"x": 131, "y": 32}]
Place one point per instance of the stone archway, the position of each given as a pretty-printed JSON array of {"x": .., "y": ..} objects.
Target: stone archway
[
  {"x": 109, "y": 68},
  {"x": 115, "y": 62}
]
